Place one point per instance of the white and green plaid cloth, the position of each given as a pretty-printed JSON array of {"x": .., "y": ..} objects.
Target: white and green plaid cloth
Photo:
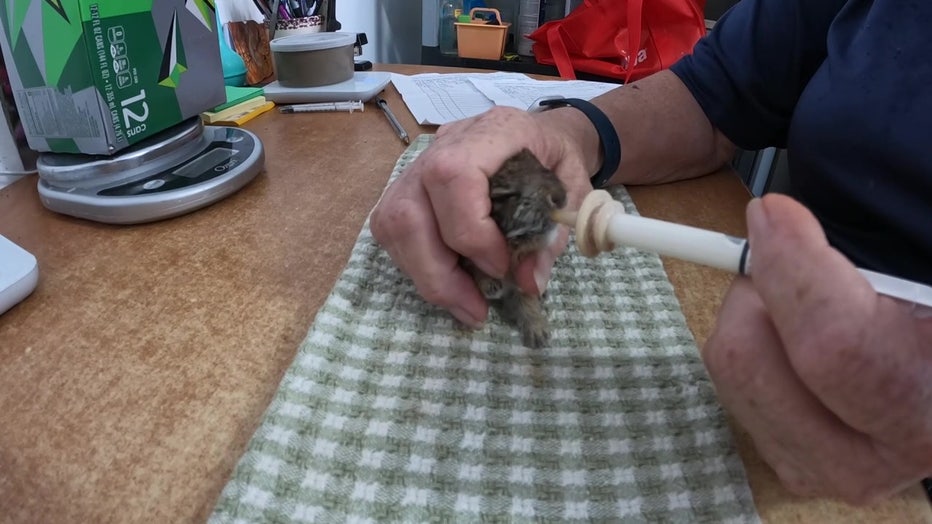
[{"x": 391, "y": 413}]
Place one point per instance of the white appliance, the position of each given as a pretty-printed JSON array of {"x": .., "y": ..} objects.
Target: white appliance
[
  {"x": 392, "y": 27},
  {"x": 19, "y": 274}
]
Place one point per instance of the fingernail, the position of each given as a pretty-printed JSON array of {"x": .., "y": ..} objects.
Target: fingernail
[
  {"x": 542, "y": 271},
  {"x": 757, "y": 218},
  {"x": 542, "y": 277},
  {"x": 466, "y": 317}
]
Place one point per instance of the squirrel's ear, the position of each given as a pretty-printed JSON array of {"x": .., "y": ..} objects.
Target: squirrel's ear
[
  {"x": 503, "y": 192},
  {"x": 520, "y": 231}
]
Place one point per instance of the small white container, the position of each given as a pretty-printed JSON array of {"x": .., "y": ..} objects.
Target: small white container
[{"x": 313, "y": 59}]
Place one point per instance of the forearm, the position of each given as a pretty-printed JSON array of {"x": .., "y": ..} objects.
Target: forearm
[{"x": 664, "y": 133}]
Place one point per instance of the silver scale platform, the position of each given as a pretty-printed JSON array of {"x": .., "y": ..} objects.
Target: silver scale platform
[{"x": 179, "y": 170}]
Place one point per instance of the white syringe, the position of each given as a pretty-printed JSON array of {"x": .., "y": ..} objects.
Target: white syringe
[
  {"x": 601, "y": 224},
  {"x": 316, "y": 107}
]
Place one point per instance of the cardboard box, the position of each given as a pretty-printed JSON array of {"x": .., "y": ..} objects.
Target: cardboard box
[{"x": 95, "y": 76}]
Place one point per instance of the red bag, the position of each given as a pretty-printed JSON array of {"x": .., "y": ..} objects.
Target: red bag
[{"x": 599, "y": 37}]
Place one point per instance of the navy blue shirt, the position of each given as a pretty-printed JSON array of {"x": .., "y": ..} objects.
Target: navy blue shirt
[{"x": 846, "y": 88}]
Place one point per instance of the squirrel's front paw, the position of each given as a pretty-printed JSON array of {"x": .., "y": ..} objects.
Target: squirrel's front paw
[{"x": 535, "y": 335}]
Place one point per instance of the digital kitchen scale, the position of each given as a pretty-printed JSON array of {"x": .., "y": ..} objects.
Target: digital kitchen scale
[
  {"x": 179, "y": 170},
  {"x": 363, "y": 86}
]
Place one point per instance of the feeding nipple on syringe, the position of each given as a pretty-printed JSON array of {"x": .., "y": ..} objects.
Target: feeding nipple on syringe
[{"x": 602, "y": 224}]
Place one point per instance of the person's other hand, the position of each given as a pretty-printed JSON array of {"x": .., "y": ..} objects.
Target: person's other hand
[
  {"x": 438, "y": 208},
  {"x": 832, "y": 381}
]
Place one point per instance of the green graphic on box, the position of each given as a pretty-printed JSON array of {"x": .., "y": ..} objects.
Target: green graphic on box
[{"x": 97, "y": 76}]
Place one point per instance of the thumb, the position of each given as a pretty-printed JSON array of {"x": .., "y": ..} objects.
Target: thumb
[
  {"x": 532, "y": 274},
  {"x": 802, "y": 279}
]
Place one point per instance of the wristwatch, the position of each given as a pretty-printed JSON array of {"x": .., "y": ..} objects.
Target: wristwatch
[{"x": 608, "y": 137}]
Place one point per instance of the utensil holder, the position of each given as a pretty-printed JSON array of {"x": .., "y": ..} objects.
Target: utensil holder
[{"x": 479, "y": 39}]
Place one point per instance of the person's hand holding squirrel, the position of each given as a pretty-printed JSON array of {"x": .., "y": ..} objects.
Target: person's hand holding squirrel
[{"x": 438, "y": 209}]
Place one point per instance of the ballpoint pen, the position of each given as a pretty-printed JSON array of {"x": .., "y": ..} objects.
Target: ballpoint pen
[
  {"x": 402, "y": 134},
  {"x": 317, "y": 107}
]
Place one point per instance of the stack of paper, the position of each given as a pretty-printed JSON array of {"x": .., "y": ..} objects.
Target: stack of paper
[
  {"x": 441, "y": 98},
  {"x": 237, "y": 95},
  {"x": 243, "y": 104}
]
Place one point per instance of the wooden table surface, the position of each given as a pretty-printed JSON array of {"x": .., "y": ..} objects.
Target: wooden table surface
[{"x": 133, "y": 377}]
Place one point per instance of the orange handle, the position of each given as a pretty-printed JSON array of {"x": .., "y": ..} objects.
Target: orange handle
[{"x": 474, "y": 10}]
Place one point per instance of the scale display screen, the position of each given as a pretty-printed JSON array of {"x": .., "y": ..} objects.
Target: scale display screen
[
  {"x": 199, "y": 165},
  {"x": 219, "y": 159}
]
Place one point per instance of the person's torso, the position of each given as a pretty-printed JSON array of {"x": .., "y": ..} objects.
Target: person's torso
[{"x": 860, "y": 141}]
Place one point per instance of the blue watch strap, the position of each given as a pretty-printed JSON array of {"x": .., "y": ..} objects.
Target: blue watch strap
[{"x": 608, "y": 137}]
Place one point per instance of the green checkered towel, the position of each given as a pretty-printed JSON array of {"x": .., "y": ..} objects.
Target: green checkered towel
[{"x": 391, "y": 413}]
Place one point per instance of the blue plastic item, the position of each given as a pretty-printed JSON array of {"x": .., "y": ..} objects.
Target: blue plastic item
[
  {"x": 469, "y": 4},
  {"x": 234, "y": 69}
]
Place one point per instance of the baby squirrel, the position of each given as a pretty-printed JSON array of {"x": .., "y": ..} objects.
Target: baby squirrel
[{"x": 524, "y": 193}]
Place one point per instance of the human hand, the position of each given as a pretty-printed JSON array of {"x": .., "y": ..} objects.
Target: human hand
[
  {"x": 832, "y": 381},
  {"x": 438, "y": 208}
]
